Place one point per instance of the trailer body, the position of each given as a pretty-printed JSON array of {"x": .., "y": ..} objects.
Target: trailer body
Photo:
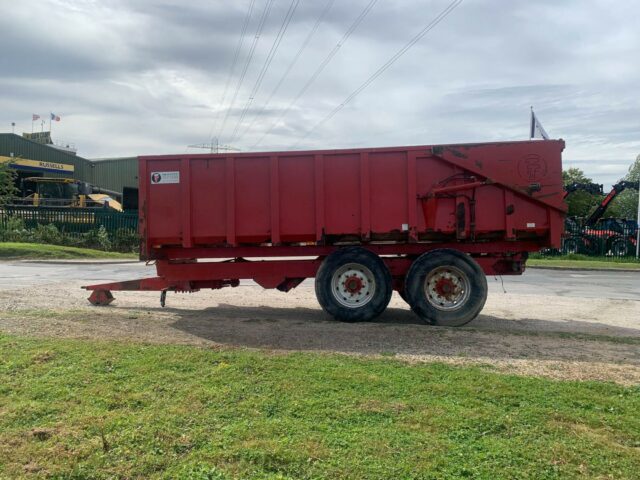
[{"x": 493, "y": 202}]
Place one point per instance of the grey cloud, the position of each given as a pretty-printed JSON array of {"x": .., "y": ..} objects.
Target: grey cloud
[{"x": 151, "y": 74}]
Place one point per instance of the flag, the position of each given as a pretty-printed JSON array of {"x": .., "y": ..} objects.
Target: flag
[
  {"x": 34, "y": 117},
  {"x": 55, "y": 117},
  {"x": 537, "y": 130}
]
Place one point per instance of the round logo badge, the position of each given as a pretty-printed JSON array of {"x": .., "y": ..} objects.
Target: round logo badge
[{"x": 532, "y": 167}]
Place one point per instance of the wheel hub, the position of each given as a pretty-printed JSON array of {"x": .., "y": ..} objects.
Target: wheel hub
[
  {"x": 353, "y": 285},
  {"x": 447, "y": 288}
]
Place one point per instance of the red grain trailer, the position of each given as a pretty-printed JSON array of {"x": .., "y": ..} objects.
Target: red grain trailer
[{"x": 427, "y": 221}]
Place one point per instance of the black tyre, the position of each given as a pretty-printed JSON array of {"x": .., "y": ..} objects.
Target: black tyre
[
  {"x": 353, "y": 285},
  {"x": 446, "y": 287},
  {"x": 619, "y": 247}
]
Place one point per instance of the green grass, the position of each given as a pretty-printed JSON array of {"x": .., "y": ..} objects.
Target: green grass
[
  {"x": 39, "y": 251},
  {"x": 586, "y": 264},
  {"x": 86, "y": 409},
  {"x": 583, "y": 261}
]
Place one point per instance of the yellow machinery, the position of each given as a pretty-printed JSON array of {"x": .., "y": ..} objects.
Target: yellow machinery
[
  {"x": 25, "y": 164},
  {"x": 65, "y": 192}
]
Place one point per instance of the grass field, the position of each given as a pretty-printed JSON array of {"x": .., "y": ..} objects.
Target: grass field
[
  {"x": 85, "y": 409},
  {"x": 39, "y": 251},
  {"x": 584, "y": 261}
]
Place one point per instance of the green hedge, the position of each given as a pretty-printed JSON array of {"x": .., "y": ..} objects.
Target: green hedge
[{"x": 120, "y": 240}]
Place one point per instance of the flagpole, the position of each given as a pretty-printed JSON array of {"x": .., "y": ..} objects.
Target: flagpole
[{"x": 531, "y": 126}]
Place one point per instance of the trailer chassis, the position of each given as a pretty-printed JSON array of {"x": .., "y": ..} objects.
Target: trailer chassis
[{"x": 179, "y": 274}]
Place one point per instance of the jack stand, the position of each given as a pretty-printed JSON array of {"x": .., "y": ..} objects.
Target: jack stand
[{"x": 163, "y": 298}]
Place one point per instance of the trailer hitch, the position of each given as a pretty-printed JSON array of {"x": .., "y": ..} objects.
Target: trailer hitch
[{"x": 101, "y": 294}]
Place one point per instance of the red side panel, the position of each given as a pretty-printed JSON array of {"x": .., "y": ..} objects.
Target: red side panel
[
  {"x": 388, "y": 188},
  {"x": 208, "y": 204},
  {"x": 163, "y": 203},
  {"x": 466, "y": 193},
  {"x": 342, "y": 194},
  {"x": 296, "y": 192}
]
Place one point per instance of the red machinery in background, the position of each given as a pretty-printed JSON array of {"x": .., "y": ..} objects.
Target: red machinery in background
[
  {"x": 614, "y": 236},
  {"x": 596, "y": 235},
  {"x": 428, "y": 221}
]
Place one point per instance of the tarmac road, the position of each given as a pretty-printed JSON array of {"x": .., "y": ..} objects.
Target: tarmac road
[{"x": 564, "y": 283}]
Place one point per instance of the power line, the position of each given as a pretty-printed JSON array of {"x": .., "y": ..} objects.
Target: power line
[
  {"x": 252, "y": 50},
  {"x": 265, "y": 67},
  {"x": 296, "y": 57},
  {"x": 441, "y": 16},
  {"x": 320, "y": 68},
  {"x": 236, "y": 55}
]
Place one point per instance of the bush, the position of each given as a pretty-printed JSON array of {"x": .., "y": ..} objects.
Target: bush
[
  {"x": 13, "y": 229},
  {"x": 47, "y": 234},
  {"x": 97, "y": 239},
  {"x": 125, "y": 240}
]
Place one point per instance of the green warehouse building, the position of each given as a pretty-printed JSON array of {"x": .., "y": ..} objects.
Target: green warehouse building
[{"x": 35, "y": 155}]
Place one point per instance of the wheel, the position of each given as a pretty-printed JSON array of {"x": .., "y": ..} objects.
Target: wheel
[
  {"x": 619, "y": 247},
  {"x": 353, "y": 285},
  {"x": 446, "y": 287}
]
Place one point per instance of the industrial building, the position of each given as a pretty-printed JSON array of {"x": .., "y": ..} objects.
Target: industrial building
[{"x": 38, "y": 156}]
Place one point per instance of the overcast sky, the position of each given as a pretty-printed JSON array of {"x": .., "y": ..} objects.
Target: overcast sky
[{"x": 132, "y": 77}]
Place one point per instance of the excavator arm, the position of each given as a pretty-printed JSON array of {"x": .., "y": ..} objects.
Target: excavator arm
[
  {"x": 615, "y": 191},
  {"x": 592, "y": 188}
]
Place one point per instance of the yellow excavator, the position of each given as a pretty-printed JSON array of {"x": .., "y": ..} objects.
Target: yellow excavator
[{"x": 65, "y": 192}]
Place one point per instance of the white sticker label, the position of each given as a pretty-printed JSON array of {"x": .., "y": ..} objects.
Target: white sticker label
[
  {"x": 165, "y": 177},
  {"x": 531, "y": 225}
]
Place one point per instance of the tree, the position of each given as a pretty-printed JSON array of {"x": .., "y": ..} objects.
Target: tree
[
  {"x": 580, "y": 202},
  {"x": 7, "y": 183},
  {"x": 626, "y": 204},
  {"x": 634, "y": 171},
  {"x": 574, "y": 175}
]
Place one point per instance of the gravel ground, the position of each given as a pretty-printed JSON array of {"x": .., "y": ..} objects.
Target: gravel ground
[{"x": 553, "y": 336}]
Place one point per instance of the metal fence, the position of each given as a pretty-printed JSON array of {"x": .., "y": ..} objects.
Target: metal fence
[
  {"x": 71, "y": 221},
  {"x": 610, "y": 237}
]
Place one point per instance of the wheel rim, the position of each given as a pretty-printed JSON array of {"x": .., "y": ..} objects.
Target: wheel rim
[
  {"x": 447, "y": 288},
  {"x": 353, "y": 285}
]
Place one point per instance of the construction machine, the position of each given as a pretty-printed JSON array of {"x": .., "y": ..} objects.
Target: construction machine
[
  {"x": 598, "y": 235},
  {"x": 65, "y": 192},
  {"x": 602, "y": 208}
]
